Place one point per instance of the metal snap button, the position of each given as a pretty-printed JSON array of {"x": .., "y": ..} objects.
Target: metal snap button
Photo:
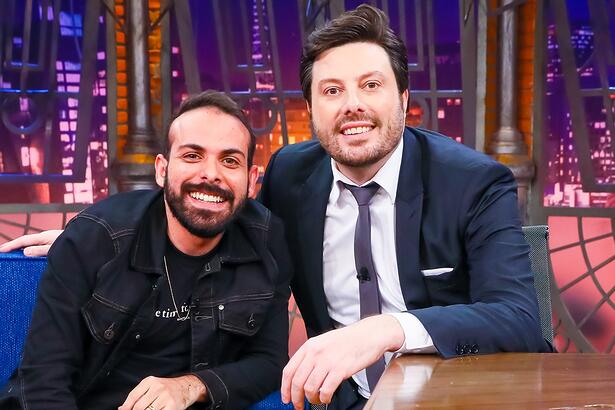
[{"x": 109, "y": 333}]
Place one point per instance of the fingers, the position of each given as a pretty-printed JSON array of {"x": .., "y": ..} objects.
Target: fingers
[
  {"x": 148, "y": 401},
  {"x": 36, "y": 244},
  {"x": 313, "y": 384},
  {"x": 322, "y": 384},
  {"x": 288, "y": 374},
  {"x": 311, "y": 373},
  {"x": 40, "y": 250},
  {"x": 18, "y": 243},
  {"x": 329, "y": 385},
  {"x": 160, "y": 393},
  {"x": 324, "y": 361},
  {"x": 297, "y": 388},
  {"x": 136, "y": 394}
]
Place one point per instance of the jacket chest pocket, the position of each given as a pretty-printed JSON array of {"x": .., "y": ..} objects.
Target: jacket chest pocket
[
  {"x": 244, "y": 315},
  {"x": 105, "y": 320}
]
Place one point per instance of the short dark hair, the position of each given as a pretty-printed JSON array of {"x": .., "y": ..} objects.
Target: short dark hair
[
  {"x": 220, "y": 101},
  {"x": 364, "y": 24}
]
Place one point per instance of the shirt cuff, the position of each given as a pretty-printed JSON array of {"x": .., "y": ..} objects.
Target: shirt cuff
[{"x": 417, "y": 339}]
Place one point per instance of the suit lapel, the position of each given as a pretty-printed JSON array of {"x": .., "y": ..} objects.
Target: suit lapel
[
  {"x": 315, "y": 195},
  {"x": 408, "y": 213}
]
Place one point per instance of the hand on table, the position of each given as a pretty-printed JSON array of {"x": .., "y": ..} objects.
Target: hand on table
[
  {"x": 323, "y": 362},
  {"x": 157, "y": 393},
  {"x": 37, "y": 244}
]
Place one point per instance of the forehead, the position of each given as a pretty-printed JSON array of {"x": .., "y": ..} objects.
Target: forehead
[
  {"x": 350, "y": 61},
  {"x": 210, "y": 128}
]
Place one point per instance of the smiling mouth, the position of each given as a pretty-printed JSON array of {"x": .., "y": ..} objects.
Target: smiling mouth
[
  {"x": 199, "y": 196},
  {"x": 356, "y": 130}
]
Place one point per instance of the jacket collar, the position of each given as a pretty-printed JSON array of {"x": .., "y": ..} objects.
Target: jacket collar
[
  {"x": 408, "y": 214},
  {"x": 150, "y": 242},
  {"x": 315, "y": 195},
  {"x": 411, "y": 174}
]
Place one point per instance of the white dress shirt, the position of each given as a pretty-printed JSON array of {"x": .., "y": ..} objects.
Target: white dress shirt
[{"x": 339, "y": 273}]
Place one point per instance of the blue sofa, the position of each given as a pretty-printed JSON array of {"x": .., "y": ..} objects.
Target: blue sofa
[{"x": 19, "y": 276}]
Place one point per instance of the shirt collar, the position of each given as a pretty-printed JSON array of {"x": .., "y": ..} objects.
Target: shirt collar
[{"x": 387, "y": 177}]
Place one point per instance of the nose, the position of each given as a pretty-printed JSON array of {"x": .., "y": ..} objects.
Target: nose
[
  {"x": 353, "y": 102},
  {"x": 209, "y": 170}
]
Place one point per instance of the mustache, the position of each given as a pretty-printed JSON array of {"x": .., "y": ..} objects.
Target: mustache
[
  {"x": 210, "y": 189},
  {"x": 356, "y": 117}
]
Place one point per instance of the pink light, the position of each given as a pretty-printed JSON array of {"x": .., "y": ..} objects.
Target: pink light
[
  {"x": 25, "y": 156},
  {"x": 24, "y": 104},
  {"x": 73, "y": 78}
]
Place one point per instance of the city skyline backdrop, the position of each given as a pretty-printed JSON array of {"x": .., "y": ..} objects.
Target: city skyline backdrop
[{"x": 248, "y": 70}]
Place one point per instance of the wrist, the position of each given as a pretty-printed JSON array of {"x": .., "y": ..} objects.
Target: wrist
[
  {"x": 194, "y": 388},
  {"x": 386, "y": 332},
  {"x": 395, "y": 336}
]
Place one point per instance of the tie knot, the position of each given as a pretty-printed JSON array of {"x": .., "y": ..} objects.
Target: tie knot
[{"x": 363, "y": 194}]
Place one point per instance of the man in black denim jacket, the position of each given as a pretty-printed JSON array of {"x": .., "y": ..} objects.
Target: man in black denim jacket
[{"x": 155, "y": 301}]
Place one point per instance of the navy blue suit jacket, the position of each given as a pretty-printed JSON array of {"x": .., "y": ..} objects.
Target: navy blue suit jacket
[{"x": 456, "y": 208}]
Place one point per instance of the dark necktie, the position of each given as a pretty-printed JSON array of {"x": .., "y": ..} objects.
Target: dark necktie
[{"x": 369, "y": 296}]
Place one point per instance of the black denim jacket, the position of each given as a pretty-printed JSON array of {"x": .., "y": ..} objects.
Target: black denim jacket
[{"x": 97, "y": 298}]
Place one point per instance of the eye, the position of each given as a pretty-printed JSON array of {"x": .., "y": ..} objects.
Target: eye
[
  {"x": 331, "y": 91},
  {"x": 191, "y": 156},
  {"x": 372, "y": 85},
  {"x": 230, "y": 162}
]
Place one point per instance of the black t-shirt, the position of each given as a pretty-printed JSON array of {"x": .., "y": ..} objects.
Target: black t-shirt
[{"x": 165, "y": 349}]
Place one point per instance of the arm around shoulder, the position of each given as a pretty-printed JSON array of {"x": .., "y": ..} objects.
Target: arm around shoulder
[
  {"x": 36, "y": 244},
  {"x": 54, "y": 350}
]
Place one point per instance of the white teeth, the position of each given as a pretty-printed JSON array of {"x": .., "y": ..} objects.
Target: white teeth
[
  {"x": 206, "y": 198},
  {"x": 356, "y": 130}
]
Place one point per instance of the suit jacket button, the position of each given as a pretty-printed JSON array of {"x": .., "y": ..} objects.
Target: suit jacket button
[{"x": 251, "y": 323}]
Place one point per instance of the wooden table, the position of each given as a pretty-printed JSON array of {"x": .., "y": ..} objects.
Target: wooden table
[{"x": 498, "y": 381}]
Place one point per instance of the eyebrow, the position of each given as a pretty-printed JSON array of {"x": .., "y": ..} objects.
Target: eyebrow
[
  {"x": 377, "y": 73},
  {"x": 230, "y": 151},
  {"x": 197, "y": 147}
]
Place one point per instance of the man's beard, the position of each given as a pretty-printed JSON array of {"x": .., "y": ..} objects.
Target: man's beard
[
  {"x": 201, "y": 222},
  {"x": 364, "y": 155}
]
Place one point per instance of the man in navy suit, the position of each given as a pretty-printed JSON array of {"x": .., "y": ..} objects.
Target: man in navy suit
[{"x": 452, "y": 265}]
